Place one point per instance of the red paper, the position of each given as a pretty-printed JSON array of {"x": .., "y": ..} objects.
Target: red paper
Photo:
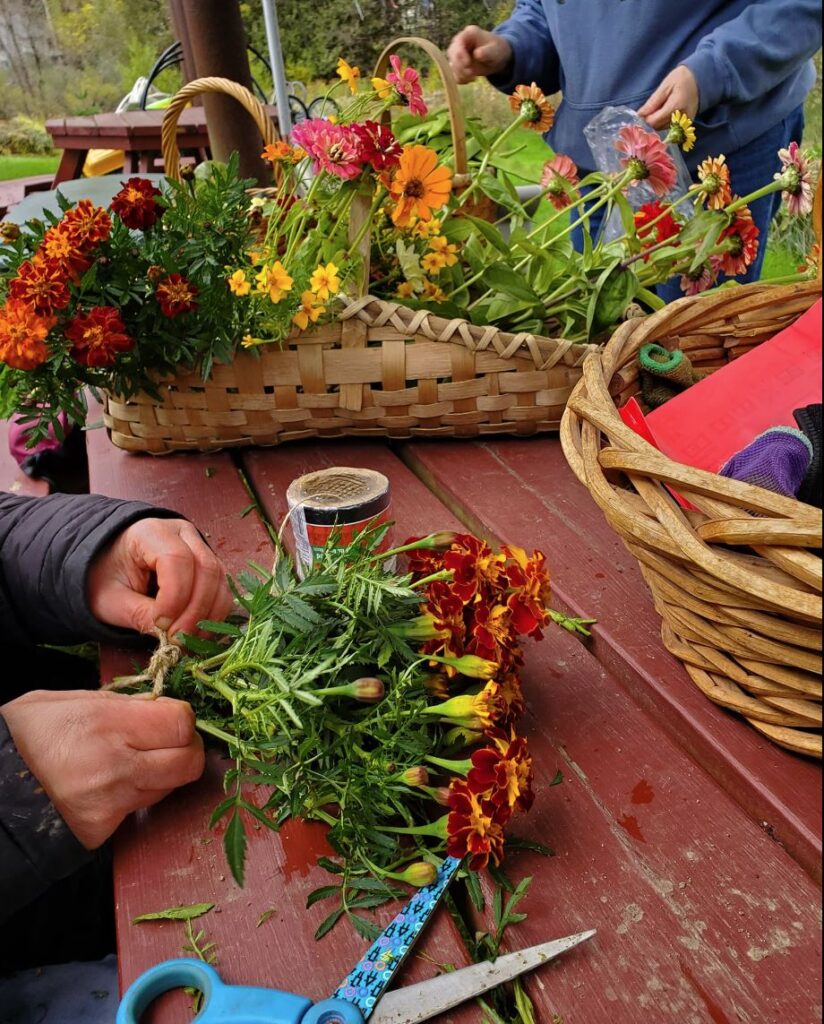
[{"x": 712, "y": 420}]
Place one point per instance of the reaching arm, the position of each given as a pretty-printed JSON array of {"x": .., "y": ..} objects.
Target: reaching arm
[
  {"x": 748, "y": 56},
  {"x": 535, "y": 58}
]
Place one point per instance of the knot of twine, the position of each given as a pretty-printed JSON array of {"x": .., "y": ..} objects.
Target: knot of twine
[{"x": 164, "y": 658}]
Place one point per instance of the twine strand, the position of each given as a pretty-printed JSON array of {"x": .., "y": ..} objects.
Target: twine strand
[{"x": 164, "y": 658}]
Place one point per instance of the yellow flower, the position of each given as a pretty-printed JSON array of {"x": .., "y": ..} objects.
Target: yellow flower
[
  {"x": 274, "y": 281},
  {"x": 382, "y": 88},
  {"x": 348, "y": 74},
  {"x": 433, "y": 263},
  {"x": 238, "y": 285},
  {"x": 427, "y": 228},
  {"x": 681, "y": 131},
  {"x": 441, "y": 245},
  {"x": 248, "y": 341},
  {"x": 433, "y": 292},
  {"x": 325, "y": 281},
  {"x": 405, "y": 290},
  {"x": 309, "y": 312}
]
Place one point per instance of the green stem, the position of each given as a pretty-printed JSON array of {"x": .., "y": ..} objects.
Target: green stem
[
  {"x": 475, "y": 183},
  {"x": 215, "y": 731},
  {"x": 737, "y": 204},
  {"x": 459, "y": 767}
]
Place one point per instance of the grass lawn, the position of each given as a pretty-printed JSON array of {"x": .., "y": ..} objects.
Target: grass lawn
[{"x": 25, "y": 166}]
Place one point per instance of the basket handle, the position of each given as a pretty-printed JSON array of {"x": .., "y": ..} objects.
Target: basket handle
[
  {"x": 453, "y": 100},
  {"x": 168, "y": 131}
]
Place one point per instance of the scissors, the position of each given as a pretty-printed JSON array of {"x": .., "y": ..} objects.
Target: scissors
[{"x": 362, "y": 995}]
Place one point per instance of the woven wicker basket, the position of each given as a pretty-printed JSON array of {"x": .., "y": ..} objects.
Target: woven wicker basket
[
  {"x": 739, "y": 592},
  {"x": 380, "y": 370}
]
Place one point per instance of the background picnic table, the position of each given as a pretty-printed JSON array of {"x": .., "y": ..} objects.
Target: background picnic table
[{"x": 689, "y": 841}]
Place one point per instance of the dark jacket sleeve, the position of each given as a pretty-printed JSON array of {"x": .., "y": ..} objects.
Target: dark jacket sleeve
[
  {"x": 37, "y": 847},
  {"x": 46, "y": 548}
]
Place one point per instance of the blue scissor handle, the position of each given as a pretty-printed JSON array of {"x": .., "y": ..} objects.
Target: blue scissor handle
[{"x": 229, "y": 1004}]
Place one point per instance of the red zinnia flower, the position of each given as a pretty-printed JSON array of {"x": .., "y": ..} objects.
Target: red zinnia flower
[
  {"x": 653, "y": 234},
  {"x": 530, "y": 591},
  {"x": 98, "y": 336},
  {"x": 41, "y": 284},
  {"x": 503, "y": 773},
  {"x": 378, "y": 146},
  {"x": 136, "y": 204},
  {"x": 742, "y": 245},
  {"x": 87, "y": 224},
  {"x": 176, "y": 295},
  {"x": 23, "y": 336},
  {"x": 647, "y": 157},
  {"x": 475, "y": 826}
]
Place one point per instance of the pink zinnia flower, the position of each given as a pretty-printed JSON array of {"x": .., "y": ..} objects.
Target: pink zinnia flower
[
  {"x": 698, "y": 281},
  {"x": 797, "y": 174},
  {"x": 741, "y": 239},
  {"x": 332, "y": 147},
  {"x": 556, "y": 171},
  {"x": 407, "y": 83},
  {"x": 647, "y": 157}
]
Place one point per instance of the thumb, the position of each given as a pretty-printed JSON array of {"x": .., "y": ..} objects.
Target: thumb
[{"x": 132, "y": 610}]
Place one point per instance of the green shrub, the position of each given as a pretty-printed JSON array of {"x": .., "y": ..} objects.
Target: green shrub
[{"x": 22, "y": 135}]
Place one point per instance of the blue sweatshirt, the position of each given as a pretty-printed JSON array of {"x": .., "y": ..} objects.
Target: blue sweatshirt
[{"x": 751, "y": 61}]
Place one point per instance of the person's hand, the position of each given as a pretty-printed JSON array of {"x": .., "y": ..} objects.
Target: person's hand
[
  {"x": 678, "y": 91},
  {"x": 475, "y": 52},
  {"x": 158, "y": 573},
  {"x": 100, "y": 755}
]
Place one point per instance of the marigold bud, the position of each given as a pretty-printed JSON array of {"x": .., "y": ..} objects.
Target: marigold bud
[
  {"x": 417, "y": 776},
  {"x": 419, "y": 874},
  {"x": 368, "y": 689},
  {"x": 472, "y": 666},
  {"x": 441, "y": 794},
  {"x": 9, "y": 232}
]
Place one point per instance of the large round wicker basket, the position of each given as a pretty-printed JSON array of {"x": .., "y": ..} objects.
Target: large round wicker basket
[
  {"x": 380, "y": 370},
  {"x": 737, "y": 582}
]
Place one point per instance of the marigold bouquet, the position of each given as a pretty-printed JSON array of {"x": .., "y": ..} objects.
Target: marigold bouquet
[
  {"x": 384, "y": 704},
  {"x": 180, "y": 277}
]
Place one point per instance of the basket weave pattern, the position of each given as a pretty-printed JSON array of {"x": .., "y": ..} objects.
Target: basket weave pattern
[
  {"x": 381, "y": 370},
  {"x": 737, "y": 582}
]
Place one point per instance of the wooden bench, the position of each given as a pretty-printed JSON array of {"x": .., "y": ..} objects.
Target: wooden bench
[
  {"x": 686, "y": 839},
  {"x": 12, "y": 192}
]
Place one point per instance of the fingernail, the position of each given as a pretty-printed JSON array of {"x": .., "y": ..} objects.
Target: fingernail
[{"x": 163, "y": 622}]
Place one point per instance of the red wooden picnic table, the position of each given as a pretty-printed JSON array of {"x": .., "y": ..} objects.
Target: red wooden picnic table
[{"x": 689, "y": 841}]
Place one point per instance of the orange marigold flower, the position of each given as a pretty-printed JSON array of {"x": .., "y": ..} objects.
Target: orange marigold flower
[
  {"x": 87, "y": 224},
  {"x": 59, "y": 247},
  {"x": 475, "y": 827},
  {"x": 503, "y": 773},
  {"x": 741, "y": 245},
  {"x": 492, "y": 631},
  {"x": 446, "y": 609},
  {"x": 176, "y": 295},
  {"x": 41, "y": 284},
  {"x": 98, "y": 336},
  {"x": 474, "y": 564},
  {"x": 136, "y": 204},
  {"x": 530, "y": 103},
  {"x": 714, "y": 176},
  {"x": 509, "y": 686},
  {"x": 419, "y": 186},
  {"x": 23, "y": 336},
  {"x": 529, "y": 598}
]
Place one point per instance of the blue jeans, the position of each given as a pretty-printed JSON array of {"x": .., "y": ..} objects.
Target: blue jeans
[{"x": 751, "y": 167}]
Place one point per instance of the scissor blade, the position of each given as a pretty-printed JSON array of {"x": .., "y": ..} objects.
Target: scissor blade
[{"x": 418, "y": 1003}]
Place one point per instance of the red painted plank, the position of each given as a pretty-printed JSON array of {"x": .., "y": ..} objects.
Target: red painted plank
[
  {"x": 168, "y": 856},
  {"x": 593, "y": 574},
  {"x": 701, "y": 917},
  {"x": 12, "y": 478}
]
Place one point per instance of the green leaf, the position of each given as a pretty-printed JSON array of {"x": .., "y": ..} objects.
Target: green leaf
[
  {"x": 490, "y": 233},
  {"x": 220, "y": 810},
  {"x": 264, "y": 917},
  {"x": 473, "y": 887},
  {"x": 505, "y": 279},
  {"x": 523, "y": 1004},
  {"x": 187, "y": 913},
  {"x": 519, "y": 843},
  {"x": 366, "y": 929},
  {"x": 558, "y": 778},
  {"x": 321, "y": 894},
  {"x": 234, "y": 844},
  {"x": 329, "y": 923},
  {"x": 613, "y": 292},
  {"x": 224, "y": 628},
  {"x": 330, "y": 865}
]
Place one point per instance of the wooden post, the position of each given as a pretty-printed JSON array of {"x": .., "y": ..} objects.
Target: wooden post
[{"x": 216, "y": 40}]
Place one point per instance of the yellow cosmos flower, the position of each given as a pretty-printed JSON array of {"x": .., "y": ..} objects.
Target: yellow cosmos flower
[
  {"x": 348, "y": 74},
  {"x": 382, "y": 88},
  {"x": 433, "y": 291},
  {"x": 443, "y": 247},
  {"x": 405, "y": 290},
  {"x": 309, "y": 312},
  {"x": 433, "y": 263},
  {"x": 325, "y": 281},
  {"x": 274, "y": 282},
  {"x": 427, "y": 228},
  {"x": 238, "y": 284},
  {"x": 681, "y": 131}
]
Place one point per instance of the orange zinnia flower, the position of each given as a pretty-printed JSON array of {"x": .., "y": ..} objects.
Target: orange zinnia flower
[
  {"x": 537, "y": 111},
  {"x": 419, "y": 186},
  {"x": 714, "y": 176},
  {"x": 741, "y": 245},
  {"x": 23, "y": 336}
]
